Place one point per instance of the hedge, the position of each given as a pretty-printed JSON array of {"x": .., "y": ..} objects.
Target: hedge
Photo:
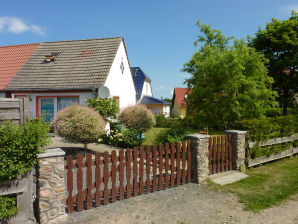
[{"x": 267, "y": 128}]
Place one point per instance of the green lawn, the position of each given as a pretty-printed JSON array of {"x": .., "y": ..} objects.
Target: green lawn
[
  {"x": 267, "y": 185},
  {"x": 150, "y": 135}
]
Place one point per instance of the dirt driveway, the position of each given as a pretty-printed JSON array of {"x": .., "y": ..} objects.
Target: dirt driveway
[{"x": 184, "y": 205}]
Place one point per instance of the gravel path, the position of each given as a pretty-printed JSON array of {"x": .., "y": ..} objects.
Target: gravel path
[{"x": 184, "y": 205}]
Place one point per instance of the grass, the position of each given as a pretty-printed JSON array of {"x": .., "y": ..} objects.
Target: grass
[
  {"x": 150, "y": 135},
  {"x": 267, "y": 185}
]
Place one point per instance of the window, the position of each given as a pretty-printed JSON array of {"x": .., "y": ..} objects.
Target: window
[
  {"x": 122, "y": 67},
  {"x": 48, "y": 106},
  {"x": 66, "y": 101},
  {"x": 47, "y": 109}
]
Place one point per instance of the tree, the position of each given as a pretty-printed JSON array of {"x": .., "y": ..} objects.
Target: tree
[
  {"x": 167, "y": 100},
  {"x": 79, "y": 124},
  {"x": 279, "y": 43},
  {"x": 108, "y": 107},
  {"x": 228, "y": 82},
  {"x": 137, "y": 118}
]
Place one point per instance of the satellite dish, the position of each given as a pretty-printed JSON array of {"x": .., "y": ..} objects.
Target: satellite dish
[{"x": 103, "y": 92}]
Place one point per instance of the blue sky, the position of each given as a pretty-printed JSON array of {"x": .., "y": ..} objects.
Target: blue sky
[{"x": 159, "y": 35}]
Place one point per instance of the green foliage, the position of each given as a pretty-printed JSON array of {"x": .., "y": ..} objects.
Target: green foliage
[
  {"x": 228, "y": 82},
  {"x": 19, "y": 147},
  {"x": 279, "y": 43},
  {"x": 174, "y": 134},
  {"x": 127, "y": 138},
  {"x": 295, "y": 143},
  {"x": 8, "y": 207},
  {"x": 108, "y": 107},
  {"x": 258, "y": 151},
  {"x": 273, "y": 112},
  {"x": 79, "y": 124},
  {"x": 137, "y": 118},
  {"x": 266, "y": 128},
  {"x": 116, "y": 126},
  {"x": 162, "y": 121}
]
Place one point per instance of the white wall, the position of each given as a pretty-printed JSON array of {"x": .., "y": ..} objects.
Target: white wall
[
  {"x": 146, "y": 91},
  {"x": 121, "y": 84},
  {"x": 167, "y": 110},
  {"x": 2, "y": 95},
  {"x": 32, "y": 96}
]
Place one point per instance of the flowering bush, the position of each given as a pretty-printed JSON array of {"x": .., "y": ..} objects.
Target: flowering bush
[
  {"x": 79, "y": 124},
  {"x": 137, "y": 118},
  {"x": 126, "y": 138}
]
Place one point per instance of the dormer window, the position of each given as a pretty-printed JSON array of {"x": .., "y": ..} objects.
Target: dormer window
[{"x": 51, "y": 58}]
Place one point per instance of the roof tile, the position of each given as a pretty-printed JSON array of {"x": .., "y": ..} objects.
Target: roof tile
[
  {"x": 12, "y": 58},
  {"x": 79, "y": 64}
]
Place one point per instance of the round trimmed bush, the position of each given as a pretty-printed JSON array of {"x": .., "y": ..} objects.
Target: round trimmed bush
[
  {"x": 137, "y": 118},
  {"x": 79, "y": 124}
]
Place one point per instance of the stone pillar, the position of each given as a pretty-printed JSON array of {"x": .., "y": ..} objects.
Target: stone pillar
[
  {"x": 238, "y": 148},
  {"x": 199, "y": 157},
  {"x": 51, "y": 192}
]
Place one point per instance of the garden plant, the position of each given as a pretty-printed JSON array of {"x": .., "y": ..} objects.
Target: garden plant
[
  {"x": 79, "y": 124},
  {"x": 137, "y": 118},
  {"x": 19, "y": 147}
]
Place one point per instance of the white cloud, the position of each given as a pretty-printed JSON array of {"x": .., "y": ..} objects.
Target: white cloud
[
  {"x": 17, "y": 26},
  {"x": 289, "y": 8}
]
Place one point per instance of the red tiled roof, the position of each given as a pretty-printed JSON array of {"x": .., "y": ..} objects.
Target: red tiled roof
[
  {"x": 179, "y": 95},
  {"x": 12, "y": 58}
]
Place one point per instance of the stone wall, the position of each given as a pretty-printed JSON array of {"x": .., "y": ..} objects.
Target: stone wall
[
  {"x": 51, "y": 197},
  {"x": 199, "y": 157},
  {"x": 238, "y": 148}
]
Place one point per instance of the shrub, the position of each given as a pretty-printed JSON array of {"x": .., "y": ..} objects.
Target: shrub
[
  {"x": 137, "y": 118},
  {"x": 273, "y": 112},
  {"x": 126, "y": 138},
  {"x": 79, "y": 124},
  {"x": 162, "y": 121},
  {"x": 116, "y": 126},
  {"x": 8, "y": 207},
  {"x": 131, "y": 138},
  {"x": 19, "y": 147},
  {"x": 266, "y": 128},
  {"x": 175, "y": 134},
  {"x": 108, "y": 107}
]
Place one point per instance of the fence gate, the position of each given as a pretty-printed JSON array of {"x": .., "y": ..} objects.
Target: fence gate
[
  {"x": 220, "y": 154},
  {"x": 104, "y": 178}
]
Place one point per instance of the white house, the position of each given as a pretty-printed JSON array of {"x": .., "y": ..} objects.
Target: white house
[
  {"x": 58, "y": 74},
  {"x": 144, "y": 94}
]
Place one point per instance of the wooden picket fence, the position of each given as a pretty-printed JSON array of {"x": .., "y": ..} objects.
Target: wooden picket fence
[
  {"x": 220, "y": 154},
  {"x": 133, "y": 172}
]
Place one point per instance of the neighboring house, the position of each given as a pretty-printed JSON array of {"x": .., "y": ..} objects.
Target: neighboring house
[
  {"x": 12, "y": 58},
  {"x": 58, "y": 74},
  {"x": 144, "y": 94},
  {"x": 179, "y": 105}
]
